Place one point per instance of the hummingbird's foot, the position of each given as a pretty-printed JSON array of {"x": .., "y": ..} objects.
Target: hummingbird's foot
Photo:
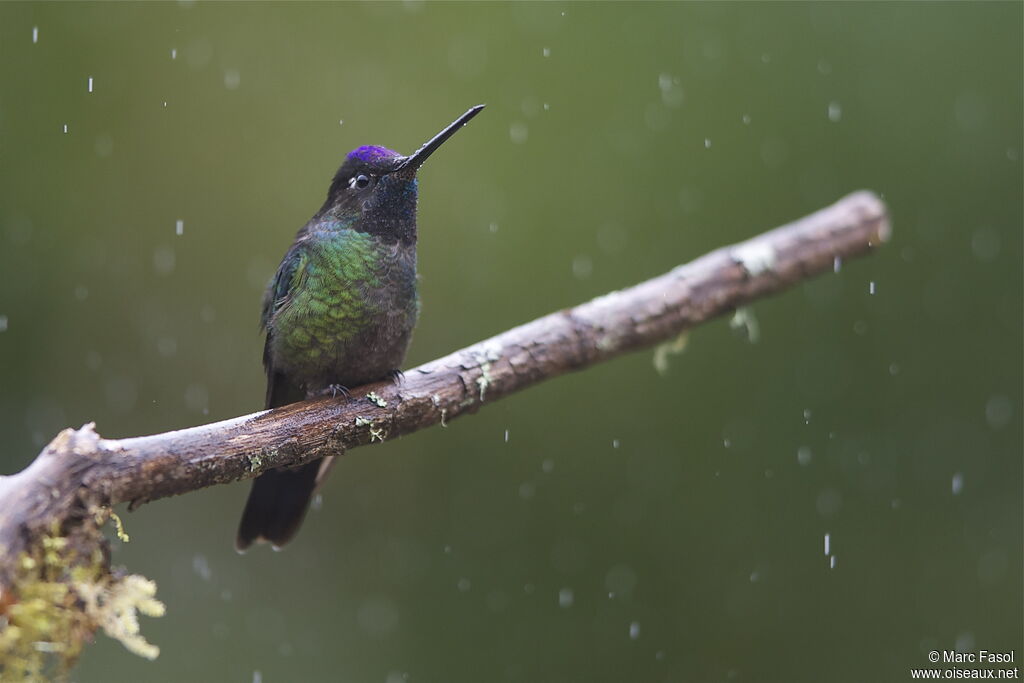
[
  {"x": 396, "y": 376},
  {"x": 335, "y": 389}
]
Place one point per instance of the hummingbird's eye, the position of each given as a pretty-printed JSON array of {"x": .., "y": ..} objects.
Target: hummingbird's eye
[{"x": 360, "y": 181}]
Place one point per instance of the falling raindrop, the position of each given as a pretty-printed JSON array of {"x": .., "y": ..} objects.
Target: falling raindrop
[
  {"x": 565, "y": 597},
  {"x": 828, "y": 544},
  {"x": 634, "y": 630},
  {"x": 958, "y": 483},
  {"x": 35, "y": 34},
  {"x": 90, "y": 83},
  {"x": 179, "y": 227},
  {"x": 835, "y": 112},
  {"x": 518, "y": 132}
]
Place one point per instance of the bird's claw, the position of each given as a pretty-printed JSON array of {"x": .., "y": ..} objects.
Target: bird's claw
[{"x": 335, "y": 389}]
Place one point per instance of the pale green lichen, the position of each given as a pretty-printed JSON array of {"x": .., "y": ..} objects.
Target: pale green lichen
[
  {"x": 669, "y": 348},
  {"x": 745, "y": 322},
  {"x": 488, "y": 353},
  {"x": 122, "y": 535},
  {"x": 58, "y": 598},
  {"x": 115, "y": 607},
  {"x": 377, "y": 400},
  {"x": 375, "y": 433}
]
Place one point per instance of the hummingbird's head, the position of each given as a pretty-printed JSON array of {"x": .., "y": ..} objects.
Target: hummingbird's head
[{"x": 377, "y": 187}]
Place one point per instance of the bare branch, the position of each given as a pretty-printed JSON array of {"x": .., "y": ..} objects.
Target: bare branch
[{"x": 79, "y": 472}]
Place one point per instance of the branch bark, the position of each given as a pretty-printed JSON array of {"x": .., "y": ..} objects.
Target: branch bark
[{"x": 80, "y": 472}]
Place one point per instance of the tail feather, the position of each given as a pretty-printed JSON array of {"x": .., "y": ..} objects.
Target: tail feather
[
  {"x": 277, "y": 505},
  {"x": 279, "y": 498}
]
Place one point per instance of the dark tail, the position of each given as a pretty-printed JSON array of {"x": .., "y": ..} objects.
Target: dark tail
[
  {"x": 279, "y": 498},
  {"x": 277, "y": 505}
]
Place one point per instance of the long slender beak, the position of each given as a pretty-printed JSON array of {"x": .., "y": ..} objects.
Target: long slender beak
[{"x": 411, "y": 163}]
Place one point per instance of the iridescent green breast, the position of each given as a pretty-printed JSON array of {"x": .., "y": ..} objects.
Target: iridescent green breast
[{"x": 348, "y": 311}]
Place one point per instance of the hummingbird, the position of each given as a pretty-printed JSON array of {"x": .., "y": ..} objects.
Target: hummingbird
[{"x": 340, "y": 311}]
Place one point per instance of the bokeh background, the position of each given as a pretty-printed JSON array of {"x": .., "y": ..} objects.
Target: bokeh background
[{"x": 612, "y": 525}]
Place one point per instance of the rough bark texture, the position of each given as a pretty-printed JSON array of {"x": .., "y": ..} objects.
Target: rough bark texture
[{"x": 79, "y": 471}]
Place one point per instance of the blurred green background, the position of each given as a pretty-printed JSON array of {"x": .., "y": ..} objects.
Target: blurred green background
[{"x": 630, "y": 526}]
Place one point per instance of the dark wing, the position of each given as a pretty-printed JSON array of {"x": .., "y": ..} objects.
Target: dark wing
[
  {"x": 279, "y": 390},
  {"x": 279, "y": 498}
]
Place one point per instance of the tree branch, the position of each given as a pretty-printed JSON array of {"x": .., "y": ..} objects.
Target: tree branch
[{"x": 79, "y": 473}]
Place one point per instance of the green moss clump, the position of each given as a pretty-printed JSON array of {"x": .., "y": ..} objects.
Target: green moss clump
[{"x": 58, "y": 598}]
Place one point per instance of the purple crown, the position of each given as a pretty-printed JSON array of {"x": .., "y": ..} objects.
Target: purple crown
[{"x": 370, "y": 153}]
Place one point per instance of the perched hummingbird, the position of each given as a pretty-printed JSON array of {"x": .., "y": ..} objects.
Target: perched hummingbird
[{"x": 340, "y": 310}]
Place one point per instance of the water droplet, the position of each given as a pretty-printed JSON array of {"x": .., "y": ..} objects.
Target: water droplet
[
  {"x": 998, "y": 411},
  {"x": 746, "y": 119},
  {"x": 634, "y": 630},
  {"x": 547, "y": 106},
  {"x": 65, "y": 128},
  {"x": 201, "y": 566},
  {"x": 35, "y": 34},
  {"x": 707, "y": 143},
  {"x": 765, "y": 58},
  {"x": 832, "y": 562},
  {"x": 871, "y": 287},
  {"x": 506, "y": 436},
  {"x": 582, "y": 266},
  {"x": 804, "y": 455},
  {"x": 835, "y": 112},
  {"x": 232, "y": 79},
  {"x": 3, "y": 323},
  {"x": 179, "y": 227},
  {"x": 90, "y": 83},
  {"x": 493, "y": 227},
  {"x": 837, "y": 264},
  {"x": 174, "y": 53},
  {"x": 985, "y": 244},
  {"x": 548, "y": 465},
  {"x": 527, "y": 489},
  {"x": 807, "y": 415},
  {"x": 546, "y": 52},
  {"x": 726, "y": 442},
  {"x": 958, "y": 483},
  {"x": 518, "y": 132},
  {"x": 828, "y": 502},
  {"x": 894, "y": 369},
  {"x": 615, "y": 443},
  {"x": 341, "y": 122},
  {"x": 163, "y": 260},
  {"x": 565, "y": 597},
  {"x": 754, "y": 577},
  {"x": 828, "y": 544},
  {"x": 464, "y": 585}
]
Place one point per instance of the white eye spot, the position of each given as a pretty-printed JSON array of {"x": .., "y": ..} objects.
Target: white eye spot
[{"x": 360, "y": 181}]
